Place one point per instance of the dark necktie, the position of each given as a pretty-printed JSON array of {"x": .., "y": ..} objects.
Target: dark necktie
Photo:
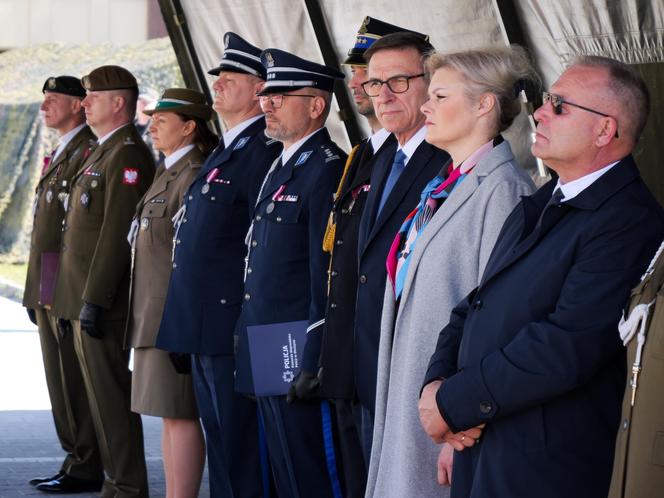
[{"x": 398, "y": 165}]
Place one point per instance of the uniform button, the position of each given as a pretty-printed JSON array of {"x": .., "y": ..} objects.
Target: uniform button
[
  {"x": 340, "y": 242},
  {"x": 485, "y": 407},
  {"x": 177, "y": 241},
  {"x": 254, "y": 243},
  {"x": 175, "y": 265},
  {"x": 249, "y": 270},
  {"x": 478, "y": 304},
  {"x": 363, "y": 279},
  {"x": 223, "y": 301},
  {"x": 247, "y": 296},
  {"x": 279, "y": 218},
  {"x": 64, "y": 227},
  {"x": 184, "y": 220},
  {"x": 191, "y": 197},
  {"x": 625, "y": 424},
  {"x": 344, "y": 211},
  {"x": 333, "y": 305},
  {"x": 259, "y": 217},
  {"x": 334, "y": 273},
  {"x": 213, "y": 198}
]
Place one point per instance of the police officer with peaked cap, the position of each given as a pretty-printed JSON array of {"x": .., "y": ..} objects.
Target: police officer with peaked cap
[
  {"x": 92, "y": 286},
  {"x": 286, "y": 267},
  {"x": 81, "y": 469},
  {"x": 206, "y": 284}
]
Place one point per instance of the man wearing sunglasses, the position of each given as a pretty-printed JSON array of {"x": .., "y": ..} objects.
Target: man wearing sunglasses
[
  {"x": 397, "y": 86},
  {"x": 534, "y": 352}
]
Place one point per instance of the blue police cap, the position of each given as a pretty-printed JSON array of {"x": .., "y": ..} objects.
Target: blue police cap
[
  {"x": 372, "y": 30},
  {"x": 240, "y": 56},
  {"x": 286, "y": 72}
]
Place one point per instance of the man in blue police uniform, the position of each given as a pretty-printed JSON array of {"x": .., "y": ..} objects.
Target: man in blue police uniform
[
  {"x": 205, "y": 290},
  {"x": 286, "y": 267},
  {"x": 337, "y": 378},
  {"x": 397, "y": 85}
]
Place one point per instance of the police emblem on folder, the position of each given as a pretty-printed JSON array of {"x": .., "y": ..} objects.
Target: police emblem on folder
[{"x": 275, "y": 352}]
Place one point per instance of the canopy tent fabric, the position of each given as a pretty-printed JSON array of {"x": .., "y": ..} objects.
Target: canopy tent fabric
[
  {"x": 553, "y": 32},
  {"x": 24, "y": 140}
]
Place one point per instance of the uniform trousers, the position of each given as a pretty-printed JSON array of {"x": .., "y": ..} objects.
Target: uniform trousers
[
  {"x": 302, "y": 448},
  {"x": 232, "y": 433},
  {"x": 353, "y": 463},
  {"x": 69, "y": 403},
  {"x": 119, "y": 431}
]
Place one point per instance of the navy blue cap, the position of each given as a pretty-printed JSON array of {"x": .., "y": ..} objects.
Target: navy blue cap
[
  {"x": 67, "y": 85},
  {"x": 286, "y": 72},
  {"x": 240, "y": 56},
  {"x": 372, "y": 30}
]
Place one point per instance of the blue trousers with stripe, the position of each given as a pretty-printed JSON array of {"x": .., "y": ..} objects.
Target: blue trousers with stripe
[{"x": 302, "y": 447}]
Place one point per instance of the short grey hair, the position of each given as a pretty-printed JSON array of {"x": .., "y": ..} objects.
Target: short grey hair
[
  {"x": 629, "y": 90},
  {"x": 501, "y": 71}
]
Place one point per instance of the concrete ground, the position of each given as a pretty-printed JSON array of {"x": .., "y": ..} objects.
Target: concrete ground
[{"x": 28, "y": 444}]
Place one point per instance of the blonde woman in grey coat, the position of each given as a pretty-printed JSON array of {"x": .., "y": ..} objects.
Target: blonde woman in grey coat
[{"x": 440, "y": 252}]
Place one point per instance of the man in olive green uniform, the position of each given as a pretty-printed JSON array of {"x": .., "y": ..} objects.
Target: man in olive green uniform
[
  {"x": 81, "y": 469},
  {"x": 93, "y": 279},
  {"x": 638, "y": 468}
]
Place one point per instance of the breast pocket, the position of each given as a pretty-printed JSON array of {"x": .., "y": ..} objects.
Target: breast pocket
[
  {"x": 156, "y": 224},
  {"x": 287, "y": 229},
  {"x": 88, "y": 197}
]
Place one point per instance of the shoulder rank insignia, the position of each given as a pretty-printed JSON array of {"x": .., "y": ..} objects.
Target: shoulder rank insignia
[
  {"x": 303, "y": 158},
  {"x": 328, "y": 155},
  {"x": 128, "y": 141},
  {"x": 241, "y": 143}
]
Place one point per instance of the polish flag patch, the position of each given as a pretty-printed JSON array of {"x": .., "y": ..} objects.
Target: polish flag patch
[{"x": 130, "y": 176}]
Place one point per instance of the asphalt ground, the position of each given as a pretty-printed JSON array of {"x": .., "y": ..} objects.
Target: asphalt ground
[{"x": 28, "y": 444}]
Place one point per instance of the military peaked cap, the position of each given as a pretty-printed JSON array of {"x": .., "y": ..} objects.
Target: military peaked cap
[
  {"x": 372, "y": 30},
  {"x": 239, "y": 56},
  {"x": 286, "y": 72},
  {"x": 109, "y": 78},
  {"x": 183, "y": 101},
  {"x": 67, "y": 85}
]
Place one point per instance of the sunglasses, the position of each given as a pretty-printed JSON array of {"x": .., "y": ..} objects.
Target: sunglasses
[{"x": 557, "y": 103}]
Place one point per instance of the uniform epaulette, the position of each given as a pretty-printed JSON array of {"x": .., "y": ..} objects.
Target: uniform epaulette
[{"x": 328, "y": 153}]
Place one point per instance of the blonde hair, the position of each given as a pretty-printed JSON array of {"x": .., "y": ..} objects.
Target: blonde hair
[{"x": 501, "y": 71}]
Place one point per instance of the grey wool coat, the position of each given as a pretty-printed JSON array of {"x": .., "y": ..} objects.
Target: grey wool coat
[{"x": 447, "y": 263}]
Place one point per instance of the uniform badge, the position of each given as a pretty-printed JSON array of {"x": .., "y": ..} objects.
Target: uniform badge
[
  {"x": 49, "y": 196},
  {"x": 363, "y": 28},
  {"x": 269, "y": 59},
  {"x": 227, "y": 40},
  {"x": 205, "y": 189},
  {"x": 130, "y": 176},
  {"x": 85, "y": 199},
  {"x": 303, "y": 158},
  {"x": 85, "y": 81},
  {"x": 94, "y": 183},
  {"x": 145, "y": 223},
  {"x": 241, "y": 143},
  {"x": 52, "y": 84},
  {"x": 269, "y": 208},
  {"x": 128, "y": 141}
]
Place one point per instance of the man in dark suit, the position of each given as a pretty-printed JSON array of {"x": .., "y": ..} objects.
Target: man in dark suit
[
  {"x": 285, "y": 273},
  {"x": 81, "y": 469},
  {"x": 206, "y": 284},
  {"x": 533, "y": 352},
  {"x": 337, "y": 379},
  {"x": 397, "y": 85}
]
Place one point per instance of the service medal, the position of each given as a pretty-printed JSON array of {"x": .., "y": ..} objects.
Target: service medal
[
  {"x": 145, "y": 223},
  {"x": 269, "y": 208},
  {"x": 85, "y": 199},
  {"x": 49, "y": 196}
]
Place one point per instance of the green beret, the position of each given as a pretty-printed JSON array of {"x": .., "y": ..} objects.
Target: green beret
[{"x": 109, "y": 78}]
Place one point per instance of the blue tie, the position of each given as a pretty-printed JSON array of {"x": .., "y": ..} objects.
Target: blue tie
[{"x": 398, "y": 165}]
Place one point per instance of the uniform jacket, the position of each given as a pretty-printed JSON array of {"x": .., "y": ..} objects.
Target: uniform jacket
[
  {"x": 638, "y": 467},
  {"x": 337, "y": 378},
  {"x": 94, "y": 264},
  {"x": 375, "y": 239},
  {"x": 49, "y": 210},
  {"x": 205, "y": 288},
  {"x": 153, "y": 251},
  {"x": 533, "y": 351},
  {"x": 446, "y": 264},
  {"x": 287, "y": 268}
]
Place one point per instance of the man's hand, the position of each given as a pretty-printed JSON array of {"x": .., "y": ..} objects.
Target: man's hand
[
  {"x": 464, "y": 439},
  {"x": 32, "y": 315},
  {"x": 430, "y": 417},
  {"x": 88, "y": 316},
  {"x": 181, "y": 362},
  {"x": 444, "y": 465},
  {"x": 64, "y": 327},
  {"x": 304, "y": 387}
]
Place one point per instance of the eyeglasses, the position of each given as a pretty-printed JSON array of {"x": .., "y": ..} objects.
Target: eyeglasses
[
  {"x": 557, "y": 103},
  {"x": 396, "y": 84},
  {"x": 276, "y": 100}
]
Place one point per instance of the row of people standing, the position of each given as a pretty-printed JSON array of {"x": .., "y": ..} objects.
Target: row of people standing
[{"x": 415, "y": 214}]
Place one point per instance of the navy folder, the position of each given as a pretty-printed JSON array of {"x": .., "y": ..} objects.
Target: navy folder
[{"x": 275, "y": 352}]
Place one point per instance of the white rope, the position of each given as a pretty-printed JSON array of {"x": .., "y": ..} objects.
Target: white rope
[
  {"x": 651, "y": 266},
  {"x": 177, "y": 221},
  {"x": 637, "y": 319}
]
